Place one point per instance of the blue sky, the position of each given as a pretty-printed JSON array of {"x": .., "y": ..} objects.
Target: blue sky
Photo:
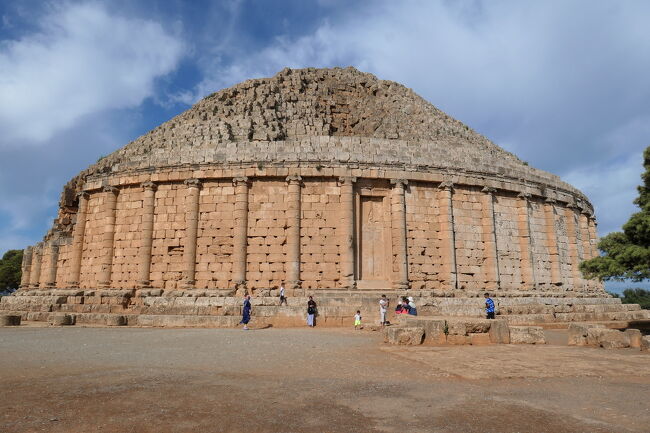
[{"x": 562, "y": 83}]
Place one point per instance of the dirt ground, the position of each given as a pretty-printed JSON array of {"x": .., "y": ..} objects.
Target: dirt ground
[{"x": 309, "y": 380}]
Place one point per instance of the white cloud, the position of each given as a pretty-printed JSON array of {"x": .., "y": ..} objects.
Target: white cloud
[{"x": 81, "y": 61}]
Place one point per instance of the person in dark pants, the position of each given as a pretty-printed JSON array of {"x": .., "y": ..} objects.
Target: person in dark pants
[
  {"x": 311, "y": 312},
  {"x": 489, "y": 306},
  {"x": 246, "y": 312}
]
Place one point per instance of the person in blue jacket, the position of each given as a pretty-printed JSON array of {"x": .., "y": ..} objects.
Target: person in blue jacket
[{"x": 246, "y": 312}]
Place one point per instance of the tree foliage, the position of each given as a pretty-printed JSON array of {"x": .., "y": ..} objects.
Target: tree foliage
[
  {"x": 636, "y": 296},
  {"x": 10, "y": 271},
  {"x": 626, "y": 254}
]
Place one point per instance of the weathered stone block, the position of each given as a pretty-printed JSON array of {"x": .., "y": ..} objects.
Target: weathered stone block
[
  {"x": 479, "y": 339},
  {"x": 645, "y": 343},
  {"x": 578, "y": 333},
  {"x": 634, "y": 336},
  {"x": 499, "y": 332},
  {"x": 527, "y": 335},
  {"x": 404, "y": 335},
  {"x": 59, "y": 319}
]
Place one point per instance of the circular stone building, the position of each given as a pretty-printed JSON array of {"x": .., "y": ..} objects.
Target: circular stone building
[{"x": 323, "y": 179}]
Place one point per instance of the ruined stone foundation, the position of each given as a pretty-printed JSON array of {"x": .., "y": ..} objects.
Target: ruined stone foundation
[{"x": 330, "y": 181}]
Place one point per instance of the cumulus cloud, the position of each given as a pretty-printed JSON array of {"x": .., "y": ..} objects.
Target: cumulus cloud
[
  {"x": 82, "y": 60},
  {"x": 562, "y": 84}
]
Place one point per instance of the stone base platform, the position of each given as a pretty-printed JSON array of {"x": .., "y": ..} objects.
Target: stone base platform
[{"x": 215, "y": 308}]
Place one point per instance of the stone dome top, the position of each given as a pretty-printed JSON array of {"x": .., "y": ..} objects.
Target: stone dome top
[{"x": 321, "y": 118}]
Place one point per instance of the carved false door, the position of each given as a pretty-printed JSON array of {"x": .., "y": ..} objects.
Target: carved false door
[{"x": 374, "y": 242}]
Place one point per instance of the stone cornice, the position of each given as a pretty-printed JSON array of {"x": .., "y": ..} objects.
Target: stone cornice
[{"x": 192, "y": 183}]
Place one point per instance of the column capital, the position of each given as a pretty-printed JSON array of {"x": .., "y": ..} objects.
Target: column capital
[
  {"x": 294, "y": 179},
  {"x": 148, "y": 185},
  {"x": 489, "y": 190},
  {"x": 192, "y": 183},
  {"x": 447, "y": 185},
  {"x": 550, "y": 200},
  {"x": 111, "y": 189},
  {"x": 82, "y": 194},
  {"x": 347, "y": 180},
  {"x": 399, "y": 183},
  {"x": 240, "y": 180},
  {"x": 525, "y": 195}
]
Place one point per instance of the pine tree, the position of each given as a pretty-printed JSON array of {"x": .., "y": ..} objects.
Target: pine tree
[{"x": 627, "y": 253}]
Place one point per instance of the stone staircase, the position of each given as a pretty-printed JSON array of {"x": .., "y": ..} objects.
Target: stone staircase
[{"x": 196, "y": 308}]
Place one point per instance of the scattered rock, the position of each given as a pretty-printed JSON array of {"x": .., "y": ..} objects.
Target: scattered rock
[
  {"x": 527, "y": 335},
  {"x": 578, "y": 333}
]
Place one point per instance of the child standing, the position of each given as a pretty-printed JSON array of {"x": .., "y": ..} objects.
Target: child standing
[{"x": 357, "y": 321}]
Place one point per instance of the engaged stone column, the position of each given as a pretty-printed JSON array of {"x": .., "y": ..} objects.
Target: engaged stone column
[
  {"x": 26, "y": 268},
  {"x": 293, "y": 233},
  {"x": 347, "y": 232},
  {"x": 489, "y": 231},
  {"x": 144, "y": 253},
  {"x": 551, "y": 241},
  {"x": 110, "y": 201},
  {"x": 50, "y": 280},
  {"x": 584, "y": 234},
  {"x": 191, "y": 230},
  {"x": 525, "y": 243},
  {"x": 398, "y": 216},
  {"x": 37, "y": 255},
  {"x": 593, "y": 236},
  {"x": 240, "y": 233},
  {"x": 447, "y": 235},
  {"x": 78, "y": 234},
  {"x": 572, "y": 235}
]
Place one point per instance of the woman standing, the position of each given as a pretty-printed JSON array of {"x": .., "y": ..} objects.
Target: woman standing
[
  {"x": 311, "y": 311},
  {"x": 246, "y": 312}
]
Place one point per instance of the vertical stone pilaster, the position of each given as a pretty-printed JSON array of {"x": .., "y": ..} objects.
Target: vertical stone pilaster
[
  {"x": 293, "y": 233},
  {"x": 593, "y": 236},
  {"x": 489, "y": 230},
  {"x": 240, "y": 240},
  {"x": 585, "y": 235},
  {"x": 78, "y": 234},
  {"x": 398, "y": 231},
  {"x": 35, "y": 274},
  {"x": 50, "y": 278},
  {"x": 191, "y": 230},
  {"x": 110, "y": 202},
  {"x": 347, "y": 232},
  {"x": 525, "y": 243},
  {"x": 572, "y": 235},
  {"x": 551, "y": 241},
  {"x": 447, "y": 235},
  {"x": 146, "y": 240},
  {"x": 26, "y": 268}
]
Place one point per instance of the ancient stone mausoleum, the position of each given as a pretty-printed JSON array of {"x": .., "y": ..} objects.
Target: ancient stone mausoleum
[{"x": 324, "y": 179}]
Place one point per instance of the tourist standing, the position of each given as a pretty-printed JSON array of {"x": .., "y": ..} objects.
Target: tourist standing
[
  {"x": 246, "y": 312},
  {"x": 357, "y": 320},
  {"x": 383, "y": 308},
  {"x": 311, "y": 311},
  {"x": 283, "y": 299},
  {"x": 489, "y": 306}
]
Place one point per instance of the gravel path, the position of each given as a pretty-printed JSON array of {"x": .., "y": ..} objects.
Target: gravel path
[{"x": 308, "y": 380}]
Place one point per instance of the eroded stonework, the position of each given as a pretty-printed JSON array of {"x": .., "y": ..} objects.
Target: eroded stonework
[{"x": 321, "y": 179}]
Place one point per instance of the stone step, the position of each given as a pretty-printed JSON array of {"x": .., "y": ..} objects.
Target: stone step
[{"x": 523, "y": 319}]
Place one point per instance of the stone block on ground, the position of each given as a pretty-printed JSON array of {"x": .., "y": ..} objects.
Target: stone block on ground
[
  {"x": 578, "y": 333},
  {"x": 9, "y": 320},
  {"x": 634, "y": 336},
  {"x": 59, "y": 319},
  {"x": 404, "y": 335},
  {"x": 527, "y": 335},
  {"x": 499, "y": 332},
  {"x": 613, "y": 339},
  {"x": 479, "y": 339},
  {"x": 645, "y": 343}
]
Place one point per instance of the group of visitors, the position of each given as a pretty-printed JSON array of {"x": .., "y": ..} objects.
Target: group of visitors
[{"x": 404, "y": 306}]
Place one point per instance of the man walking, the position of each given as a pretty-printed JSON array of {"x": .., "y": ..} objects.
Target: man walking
[
  {"x": 283, "y": 299},
  {"x": 489, "y": 306}
]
